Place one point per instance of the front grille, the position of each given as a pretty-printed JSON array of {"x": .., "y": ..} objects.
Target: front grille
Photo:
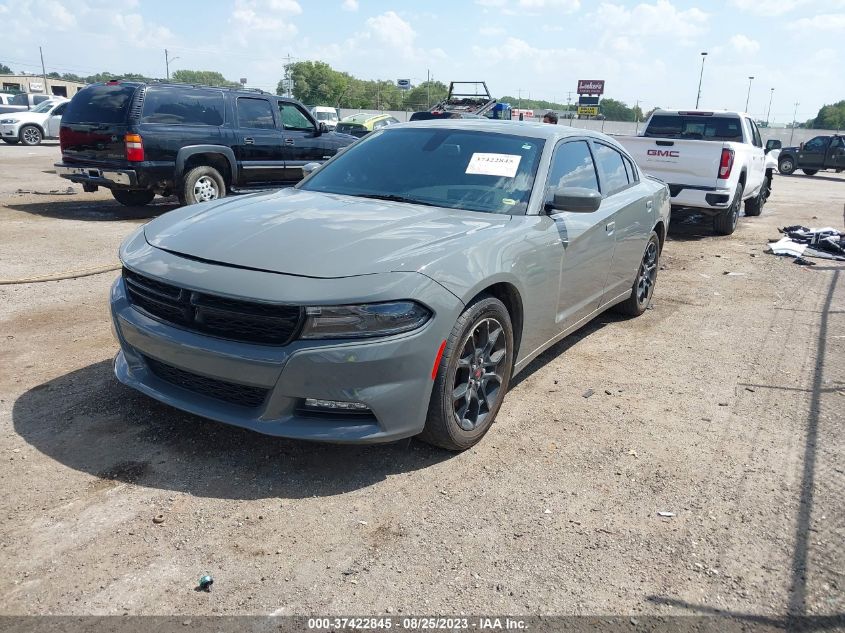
[
  {"x": 241, "y": 395},
  {"x": 233, "y": 319}
]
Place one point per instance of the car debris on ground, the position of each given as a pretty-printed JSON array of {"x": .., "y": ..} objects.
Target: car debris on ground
[{"x": 801, "y": 242}]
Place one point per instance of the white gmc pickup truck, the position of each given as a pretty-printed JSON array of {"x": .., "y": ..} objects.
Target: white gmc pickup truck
[{"x": 712, "y": 161}]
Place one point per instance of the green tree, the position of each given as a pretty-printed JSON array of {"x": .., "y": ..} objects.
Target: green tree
[
  {"x": 5, "y": 70},
  {"x": 72, "y": 77},
  {"x": 830, "y": 117},
  {"x": 614, "y": 110},
  {"x": 202, "y": 78},
  {"x": 316, "y": 83}
]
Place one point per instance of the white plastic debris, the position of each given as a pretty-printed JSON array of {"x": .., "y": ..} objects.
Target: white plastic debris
[{"x": 663, "y": 513}]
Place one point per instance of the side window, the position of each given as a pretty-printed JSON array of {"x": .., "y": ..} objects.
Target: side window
[
  {"x": 293, "y": 118},
  {"x": 255, "y": 114},
  {"x": 837, "y": 142},
  {"x": 392, "y": 121},
  {"x": 611, "y": 169},
  {"x": 58, "y": 111},
  {"x": 816, "y": 144},
  {"x": 632, "y": 171},
  {"x": 176, "y": 106},
  {"x": 755, "y": 134},
  {"x": 380, "y": 124},
  {"x": 38, "y": 99},
  {"x": 572, "y": 166}
]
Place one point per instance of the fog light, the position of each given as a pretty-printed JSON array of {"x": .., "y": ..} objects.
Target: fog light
[{"x": 336, "y": 405}]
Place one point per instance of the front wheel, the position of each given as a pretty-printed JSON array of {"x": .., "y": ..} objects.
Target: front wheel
[
  {"x": 30, "y": 135},
  {"x": 472, "y": 377},
  {"x": 786, "y": 165},
  {"x": 725, "y": 223},
  {"x": 643, "y": 289},
  {"x": 133, "y": 198},
  {"x": 202, "y": 184},
  {"x": 754, "y": 206},
  {"x": 810, "y": 172}
]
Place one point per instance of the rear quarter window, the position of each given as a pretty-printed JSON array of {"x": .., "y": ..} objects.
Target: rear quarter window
[
  {"x": 107, "y": 103},
  {"x": 171, "y": 106}
]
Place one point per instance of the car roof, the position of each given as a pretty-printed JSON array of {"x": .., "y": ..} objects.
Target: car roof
[{"x": 519, "y": 128}]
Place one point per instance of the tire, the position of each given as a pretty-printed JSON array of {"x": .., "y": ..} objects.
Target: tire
[
  {"x": 810, "y": 172},
  {"x": 786, "y": 165},
  {"x": 725, "y": 223},
  {"x": 644, "y": 283},
  {"x": 201, "y": 184},
  {"x": 30, "y": 135},
  {"x": 458, "y": 422},
  {"x": 133, "y": 197},
  {"x": 754, "y": 206},
  {"x": 11, "y": 141}
]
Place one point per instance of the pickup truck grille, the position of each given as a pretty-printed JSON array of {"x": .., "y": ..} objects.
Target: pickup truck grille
[{"x": 233, "y": 319}]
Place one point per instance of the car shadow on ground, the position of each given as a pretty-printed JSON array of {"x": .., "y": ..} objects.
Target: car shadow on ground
[
  {"x": 689, "y": 225},
  {"x": 93, "y": 210},
  {"x": 90, "y": 422}
]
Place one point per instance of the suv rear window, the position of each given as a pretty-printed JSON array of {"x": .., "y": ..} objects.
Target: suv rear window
[
  {"x": 175, "y": 106},
  {"x": 104, "y": 103},
  {"x": 695, "y": 127}
]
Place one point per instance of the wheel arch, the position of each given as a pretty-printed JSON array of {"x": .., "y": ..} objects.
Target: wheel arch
[
  {"x": 35, "y": 125},
  {"x": 660, "y": 229},
  {"x": 220, "y": 157},
  {"x": 508, "y": 294}
]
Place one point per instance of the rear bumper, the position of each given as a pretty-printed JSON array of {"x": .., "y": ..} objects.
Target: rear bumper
[
  {"x": 110, "y": 178},
  {"x": 705, "y": 198}
]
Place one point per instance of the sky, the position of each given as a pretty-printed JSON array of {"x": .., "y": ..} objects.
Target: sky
[{"x": 645, "y": 51}]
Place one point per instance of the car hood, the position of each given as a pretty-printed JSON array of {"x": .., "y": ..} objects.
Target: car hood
[{"x": 313, "y": 234}]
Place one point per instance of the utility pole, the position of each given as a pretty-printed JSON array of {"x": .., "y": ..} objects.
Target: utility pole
[
  {"x": 794, "y": 114},
  {"x": 771, "y": 96},
  {"x": 288, "y": 79},
  {"x": 700, "y": 77},
  {"x": 637, "y": 117},
  {"x": 748, "y": 96},
  {"x": 428, "y": 89},
  {"x": 43, "y": 71},
  {"x": 167, "y": 60}
]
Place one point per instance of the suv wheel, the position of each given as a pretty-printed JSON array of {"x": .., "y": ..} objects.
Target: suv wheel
[
  {"x": 202, "y": 184},
  {"x": 133, "y": 198},
  {"x": 472, "y": 377},
  {"x": 30, "y": 135}
]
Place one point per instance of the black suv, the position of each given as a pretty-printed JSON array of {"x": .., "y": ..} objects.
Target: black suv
[{"x": 197, "y": 142}]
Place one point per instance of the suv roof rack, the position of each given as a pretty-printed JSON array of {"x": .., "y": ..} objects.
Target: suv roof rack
[{"x": 164, "y": 82}]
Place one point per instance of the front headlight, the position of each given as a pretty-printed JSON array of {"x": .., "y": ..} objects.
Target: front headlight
[
  {"x": 363, "y": 321},
  {"x": 6, "y": 121}
]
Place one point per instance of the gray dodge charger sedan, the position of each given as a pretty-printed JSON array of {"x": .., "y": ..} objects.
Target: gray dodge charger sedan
[{"x": 397, "y": 289}]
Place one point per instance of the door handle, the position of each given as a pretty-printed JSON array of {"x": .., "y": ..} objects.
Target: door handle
[
  {"x": 609, "y": 227},
  {"x": 649, "y": 204},
  {"x": 249, "y": 141}
]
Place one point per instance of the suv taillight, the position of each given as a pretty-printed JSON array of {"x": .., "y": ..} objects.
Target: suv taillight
[
  {"x": 134, "y": 147},
  {"x": 726, "y": 163}
]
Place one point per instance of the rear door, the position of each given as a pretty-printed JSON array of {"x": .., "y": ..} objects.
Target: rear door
[
  {"x": 95, "y": 122},
  {"x": 836, "y": 153},
  {"x": 259, "y": 142},
  {"x": 812, "y": 155},
  {"x": 302, "y": 144}
]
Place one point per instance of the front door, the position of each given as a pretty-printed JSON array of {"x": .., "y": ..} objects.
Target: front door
[
  {"x": 302, "y": 142},
  {"x": 54, "y": 121},
  {"x": 836, "y": 153},
  {"x": 811, "y": 156},
  {"x": 587, "y": 239},
  {"x": 258, "y": 148}
]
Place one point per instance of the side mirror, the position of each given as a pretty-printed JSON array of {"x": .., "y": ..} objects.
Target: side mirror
[
  {"x": 772, "y": 144},
  {"x": 310, "y": 168},
  {"x": 801, "y": 145},
  {"x": 575, "y": 200},
  {"x": 321, "y": 128}
]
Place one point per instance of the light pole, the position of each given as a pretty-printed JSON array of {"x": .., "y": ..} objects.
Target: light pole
[
  {"x": 167, "y": 60},
  {"x": 700, "y": 77},
  {"x": 748, "y": 96},
  {"x": 794, "y": 114},
  {"x": 769, "y": 111}
]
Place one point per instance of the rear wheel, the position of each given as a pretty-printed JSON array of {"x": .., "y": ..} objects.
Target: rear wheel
[
  {"x": 11, "y": 141},
  {"x": 786, "y": 165},
  {"x": 810, "y": 172},
  {"x": 472, "y": 377},
  {"x": 30, "y": 135},
  {"x": 133, "y": 198},
  {"x": 202, "y": 184},
  {"x": 725, "y": 222},
  {"x": 643, "y": 288}
]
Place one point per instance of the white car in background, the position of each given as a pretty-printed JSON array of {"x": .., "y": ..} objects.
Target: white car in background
[
  {"x": 325, "y": 114},
  {"x": 33, "y": 126}
]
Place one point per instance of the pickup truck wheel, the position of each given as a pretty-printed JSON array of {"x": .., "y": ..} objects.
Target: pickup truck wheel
[
  {"x": 786, "y": 165},
  {"x": 30, "y": 135},
  {"x": 472, "y": 377},
  {"x": 11, "y": 141},
  {"x": 643, "y": 289},
  {"x": 725, "y": 222},
  {"x": 754, "y": 206},
  {"x": 133, "y": 198},
  {"x": 810, "y": 172},
  {"x": 202, "y": 184}
]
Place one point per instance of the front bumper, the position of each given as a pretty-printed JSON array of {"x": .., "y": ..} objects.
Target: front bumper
[
  {"x": 390, "y": 375},
  {"x": 9, "y": 130},
  {"x": 97, "y": 176}
]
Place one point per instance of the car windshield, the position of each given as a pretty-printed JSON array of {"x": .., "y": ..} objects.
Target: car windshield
[
  {"x": 457, "y": 169},
  {"x": 44, "y": 106},
  {"x": 695, "y": 127}
]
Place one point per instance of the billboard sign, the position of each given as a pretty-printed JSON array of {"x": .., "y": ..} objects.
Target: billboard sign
[
  {"x": 588, "y": 101},
  {"x": 36, "y": 86},
  {"x": 403, "y": 84},
  {"x": 588, "y": 111},
  {"x": 591, "y": 86}
]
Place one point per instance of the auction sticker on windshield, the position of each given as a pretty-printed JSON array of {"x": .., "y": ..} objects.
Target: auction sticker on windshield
[{"x": 494, "y": 164}]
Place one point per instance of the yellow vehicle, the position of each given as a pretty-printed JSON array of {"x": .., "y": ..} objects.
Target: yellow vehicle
[{"x": 361, "y": 124}]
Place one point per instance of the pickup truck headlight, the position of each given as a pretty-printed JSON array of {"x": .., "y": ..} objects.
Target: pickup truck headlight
[{"x": 363, "y": 321}]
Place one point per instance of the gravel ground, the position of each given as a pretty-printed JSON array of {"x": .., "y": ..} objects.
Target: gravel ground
[{"x": 723, "y": 405}]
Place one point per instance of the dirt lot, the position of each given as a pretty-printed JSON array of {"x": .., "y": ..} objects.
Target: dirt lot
[{"x": 723, "y": 404}]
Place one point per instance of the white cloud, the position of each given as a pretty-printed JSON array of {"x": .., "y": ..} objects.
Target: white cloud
[
  {"x": 768, "y": 8},
  {"x": 350, "y": 5},
  {"x": 823, "y": 22},
  {"x": 268, "y": 17},
  {"x": 662, "y": 17},
  {"x": 134, "y": 29},
  {"x": 744, "y": 44},
  {"x": 491, "y": 3},
  {"x": 567, "y": 6}
]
